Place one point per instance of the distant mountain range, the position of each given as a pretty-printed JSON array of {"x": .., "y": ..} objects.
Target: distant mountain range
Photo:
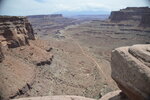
[{"x": 74, "y": 13}]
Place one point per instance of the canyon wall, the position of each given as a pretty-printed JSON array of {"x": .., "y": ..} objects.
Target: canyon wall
[{"x": 130, "y": 13}]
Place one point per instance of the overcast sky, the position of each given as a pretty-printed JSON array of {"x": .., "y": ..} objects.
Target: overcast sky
[{"x": 32, "y": 7}]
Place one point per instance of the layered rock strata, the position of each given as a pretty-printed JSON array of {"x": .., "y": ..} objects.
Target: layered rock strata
[
  {"x": 130, "y": 13},
  {"x": 15, "y": 31}
]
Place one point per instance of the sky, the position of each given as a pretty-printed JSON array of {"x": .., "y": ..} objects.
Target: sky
[{"x": 36, "y": 7}]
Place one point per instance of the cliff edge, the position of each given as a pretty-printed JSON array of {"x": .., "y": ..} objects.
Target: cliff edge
[{"x": 15, "y": 31}]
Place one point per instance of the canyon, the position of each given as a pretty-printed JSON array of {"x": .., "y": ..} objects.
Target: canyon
[{"x": 52, "y": 57}]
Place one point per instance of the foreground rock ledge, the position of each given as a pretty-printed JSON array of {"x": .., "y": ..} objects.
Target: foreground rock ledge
[
  {"x": 115, "y": 95},
  {"x": 131, "y": 71},
  {"x": 56, "y": 98}
]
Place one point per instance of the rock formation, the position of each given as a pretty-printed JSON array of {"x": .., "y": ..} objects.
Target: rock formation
[
  {"x": 131, "y": 71},
  {"x": 130, "y": 13},
  {"x": 15, "y": 31}
]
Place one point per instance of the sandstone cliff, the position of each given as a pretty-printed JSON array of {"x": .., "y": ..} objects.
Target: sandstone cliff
[
  {"x": 15, "y": 31},
  {"x": 131, "y": 71},
  {"x": 130, "y": 13}
]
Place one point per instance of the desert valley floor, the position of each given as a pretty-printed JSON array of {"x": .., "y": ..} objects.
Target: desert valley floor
[{"x": 82, "y": 55}]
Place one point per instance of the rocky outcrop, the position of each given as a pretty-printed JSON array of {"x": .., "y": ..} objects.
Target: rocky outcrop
[
  {"x": 130, "y": 13},
  {"x": 15, "y": 31},
  {"x": 131, "y": 71}
]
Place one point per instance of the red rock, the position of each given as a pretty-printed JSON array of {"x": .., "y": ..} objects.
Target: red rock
[{"x": 16, "y": 31}]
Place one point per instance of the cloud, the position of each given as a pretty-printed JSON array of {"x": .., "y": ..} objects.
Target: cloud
[{"x": 30, "y": 7}]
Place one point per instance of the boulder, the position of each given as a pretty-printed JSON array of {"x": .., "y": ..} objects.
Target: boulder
[{"x": 131, "y": 71}]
